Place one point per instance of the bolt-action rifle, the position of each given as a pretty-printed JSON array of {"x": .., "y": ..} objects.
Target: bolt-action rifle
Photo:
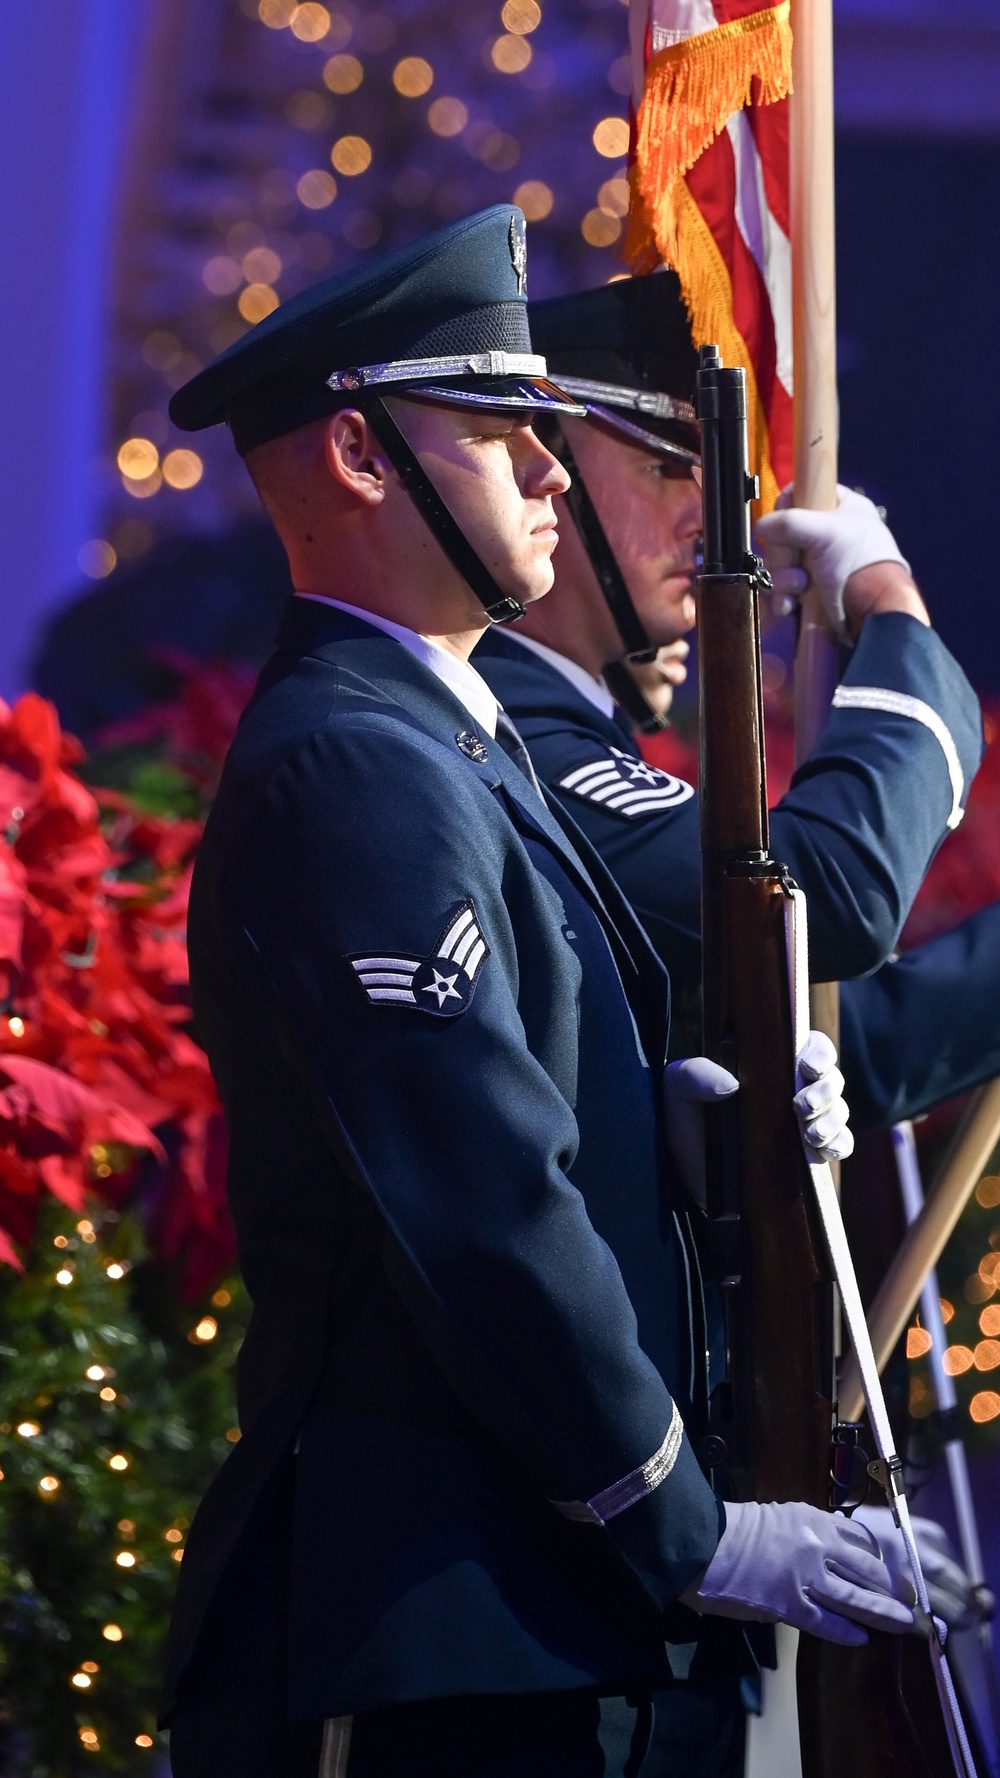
[{"x": 773, "y": 1432}]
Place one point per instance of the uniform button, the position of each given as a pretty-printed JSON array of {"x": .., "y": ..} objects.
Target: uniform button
[
  {"x": 713, "y": 1450},
  {"x": 468, "y": 742}
]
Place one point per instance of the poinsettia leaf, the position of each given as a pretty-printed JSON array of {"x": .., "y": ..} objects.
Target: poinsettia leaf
[
  {"x": 63, "y": 1174},
  {"x": 63, "y": 1104},
  {"x": 8, "y": 1252}
]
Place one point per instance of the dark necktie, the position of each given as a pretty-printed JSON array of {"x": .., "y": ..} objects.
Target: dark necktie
[{"x": 514, "y": 747}]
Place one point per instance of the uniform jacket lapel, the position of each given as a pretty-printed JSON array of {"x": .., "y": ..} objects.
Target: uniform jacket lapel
[{"x": 310, "y": 628}]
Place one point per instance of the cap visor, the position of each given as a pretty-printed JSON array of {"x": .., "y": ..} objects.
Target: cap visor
[{"x": 502, "y": 393}]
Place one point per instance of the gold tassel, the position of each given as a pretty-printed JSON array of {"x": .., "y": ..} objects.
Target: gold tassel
[{"x": 693, "y": 88}]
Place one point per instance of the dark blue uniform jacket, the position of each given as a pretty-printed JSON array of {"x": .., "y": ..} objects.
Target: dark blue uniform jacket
[
  {"x": 439, "y": 1037},
  {"x": 857, "y": 829}
]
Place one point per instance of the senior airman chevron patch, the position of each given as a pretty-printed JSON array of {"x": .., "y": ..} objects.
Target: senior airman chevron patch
[
  {"x": 442, "y": 984},
  {"x": 625, "y": 785}
]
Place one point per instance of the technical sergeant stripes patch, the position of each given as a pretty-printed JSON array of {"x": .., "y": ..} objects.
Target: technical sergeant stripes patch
[
  {"x": 442, "y": 984},
  {"x": 625, "y": 785}
]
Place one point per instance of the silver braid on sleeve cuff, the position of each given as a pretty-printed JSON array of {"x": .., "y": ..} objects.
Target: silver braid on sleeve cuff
[{"x": 635, "y": 1486}]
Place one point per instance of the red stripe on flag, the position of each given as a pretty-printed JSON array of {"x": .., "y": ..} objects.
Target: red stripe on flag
[
  {"x": 712, "y": 184},
  {"x": 769, "y": 124},
  {"x": 737, "y": 9}
]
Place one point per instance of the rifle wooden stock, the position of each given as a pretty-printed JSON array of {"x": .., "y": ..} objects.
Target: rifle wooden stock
[{"x": 775, "y": 1414}]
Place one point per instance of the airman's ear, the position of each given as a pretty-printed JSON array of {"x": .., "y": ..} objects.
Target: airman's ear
[{"x": 354, "y": 457}]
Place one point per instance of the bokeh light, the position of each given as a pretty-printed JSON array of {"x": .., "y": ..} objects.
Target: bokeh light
[
  {"x": 535, "y": 198},
  {"x": 343, "y": 74},
  {"x": 316, "y": 189},
  {"x": 257, "y": 301},
  {"x": 988, "y": 1191},
  {"x": 599, "y": 229},
  {"x": 521, "y": 16},
  {"x": 276, "y": 14},
  {"x": 447, "y": 116},
  {"x": 918, "y": 1341},
  {"x": 511, "y": 55},
  {"x": 984, "y": 1406},
  {"x": 182, "y": 469},
  {"x": 610, "y": 138},
  {"x": 310, "y": 22},
  {"x": 613, "y": 197},
  {"x": 222, "y": 275},
  {"x": 957, "y": 1360},
  {"x": 351, "y": 155},
  {"x": 138, "y": 458},
  {"x": 413, "y": 77},
  {"x": 987, "y": 1355},
  {"x": 308, "y": 110},
  {"x": 96, "y": 559},
  {"x": 261, "y": 266}
]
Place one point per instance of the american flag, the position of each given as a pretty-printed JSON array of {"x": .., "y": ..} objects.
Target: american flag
[{"x": 710, "y": 183}]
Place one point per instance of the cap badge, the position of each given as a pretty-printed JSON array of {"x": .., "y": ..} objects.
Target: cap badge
[
  {"x": 517, "y": 241},
  {"x": 350, "y": 379}
]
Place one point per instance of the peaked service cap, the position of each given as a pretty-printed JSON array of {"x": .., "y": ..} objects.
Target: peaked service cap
[
  {"x": 443, "y": 317},
  {"x": 625, "y": 350}
]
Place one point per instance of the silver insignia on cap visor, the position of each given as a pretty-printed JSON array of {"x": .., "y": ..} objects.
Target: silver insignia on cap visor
[{"x": 406, "y": 370}]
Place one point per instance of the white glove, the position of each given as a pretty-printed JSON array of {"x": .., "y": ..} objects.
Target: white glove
[
  {"x": 952, "y": 1594},
  {"x": 688, "y": 1087},
  {"x": 791, "y": 1563},
  {"x": 822, "y": 1112},
  {"x": 823, "y": 550},
  {"x": 821, "y": 1107}
]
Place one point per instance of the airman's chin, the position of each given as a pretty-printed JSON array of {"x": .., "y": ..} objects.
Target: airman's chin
[{"x": 537, "y": 584}]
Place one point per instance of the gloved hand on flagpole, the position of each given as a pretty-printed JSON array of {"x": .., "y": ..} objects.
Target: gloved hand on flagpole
[{"x": 848, "y": 555}]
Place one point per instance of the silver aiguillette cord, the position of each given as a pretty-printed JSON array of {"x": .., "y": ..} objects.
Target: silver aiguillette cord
[{"x": 889, "y": 1469}]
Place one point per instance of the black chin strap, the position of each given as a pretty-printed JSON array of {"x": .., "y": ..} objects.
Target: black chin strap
[
  {"x": 610, "y": 578},
  {"x": 499, "y": 607},
  {"x": 630, "y": 698}
]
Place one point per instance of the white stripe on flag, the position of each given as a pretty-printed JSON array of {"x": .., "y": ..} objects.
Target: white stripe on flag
[
  {"x": 673, "y": 20},
  {"x": 766, "y": 240}
]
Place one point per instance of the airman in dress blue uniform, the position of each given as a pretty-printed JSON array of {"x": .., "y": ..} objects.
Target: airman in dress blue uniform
[
  {"x": 466, "y": 1503},
  {"x": 865, "y": 813}
]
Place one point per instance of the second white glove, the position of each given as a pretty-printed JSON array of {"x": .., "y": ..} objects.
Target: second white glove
[
  {"x": 820, "y": 1107},
  {"x": 952, "y": 1595},
  {"x": 820, "y": 1104},
  {"x": 823, "y": 549},
  {"x": 791, "y": 1563}
]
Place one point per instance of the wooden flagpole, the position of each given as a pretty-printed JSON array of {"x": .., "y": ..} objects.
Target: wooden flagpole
[
  {"x": 974, "y": 1142},
  {"x": 814, "y": 336}
]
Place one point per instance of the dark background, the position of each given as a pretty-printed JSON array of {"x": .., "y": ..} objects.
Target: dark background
[{"x": 919, "y": 346}]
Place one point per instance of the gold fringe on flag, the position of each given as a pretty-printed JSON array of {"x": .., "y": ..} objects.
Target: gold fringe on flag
[
  {"x": 708, "y": 292},
  {"x": 692, "y": 89}
]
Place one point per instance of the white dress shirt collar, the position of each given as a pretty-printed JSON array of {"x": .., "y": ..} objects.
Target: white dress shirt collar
[
  {"x": 594, "y": 690},
  {"x": 468, "y": 686}
]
